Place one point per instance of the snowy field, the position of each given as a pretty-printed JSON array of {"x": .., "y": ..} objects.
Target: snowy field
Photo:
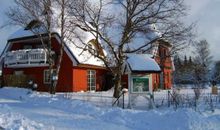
[{"x": 21, "y": 109}]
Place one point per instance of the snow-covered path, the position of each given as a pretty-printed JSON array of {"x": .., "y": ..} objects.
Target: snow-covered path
[{"x": 19, "y": 110}]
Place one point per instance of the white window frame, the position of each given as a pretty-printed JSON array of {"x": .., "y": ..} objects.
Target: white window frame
[
  {"x": 19, "y": 72},
  {"x": 47, "y": 80},
  {"x": 91, "y": 75},
  {"x": 141, "y": 77}
]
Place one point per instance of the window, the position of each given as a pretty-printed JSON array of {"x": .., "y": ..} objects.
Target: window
[
  {"x": 91, "y": 80},
  {"x": 27, "y": 47},
  {"x": 140, "y": 84},
  {"x": 47, "y": 76},
  {"x": 39, "y": 46},
  {"x": 18, "y": 73}
]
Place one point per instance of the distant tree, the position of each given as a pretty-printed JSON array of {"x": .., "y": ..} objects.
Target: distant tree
[
  {"x": 183, "y": 72},
  {"x": 215, "y": 78},
  {"x": 185, "y": 60},
  {"x": 190, "y": 60},
  {"x": 203, "y": 60}
]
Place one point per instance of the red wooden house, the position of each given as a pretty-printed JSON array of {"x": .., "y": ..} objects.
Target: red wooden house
[{"x": 24, "y": 58}]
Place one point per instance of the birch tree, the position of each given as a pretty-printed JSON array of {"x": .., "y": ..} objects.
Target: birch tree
[
  {"x": 40, "y": 17},
  {"x": 129, "y": 26}
]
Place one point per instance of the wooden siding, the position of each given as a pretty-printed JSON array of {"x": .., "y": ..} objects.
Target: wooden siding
[{"x": 80, "y": 79}]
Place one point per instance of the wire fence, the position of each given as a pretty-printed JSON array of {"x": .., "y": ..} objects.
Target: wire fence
[
  {"x": 164, "y": 98},
  {"x": 177, "y": 100}
]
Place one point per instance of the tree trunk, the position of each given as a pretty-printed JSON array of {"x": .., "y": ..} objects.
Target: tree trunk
[
  {"x": 62, "y": 42},
  {"x": 50, "y": 58},
  {"x": 117, "y": 88}
]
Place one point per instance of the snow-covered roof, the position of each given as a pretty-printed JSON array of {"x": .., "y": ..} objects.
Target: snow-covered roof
[
  {"x": 73, "y": 44},
  {"x": 142, "y": 62},
  {"x": 20, "y": 34}
]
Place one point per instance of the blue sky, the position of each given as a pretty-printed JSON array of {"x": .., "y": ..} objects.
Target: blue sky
[{"x": 205, "y": 12}]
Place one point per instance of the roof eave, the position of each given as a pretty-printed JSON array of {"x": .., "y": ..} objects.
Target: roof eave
[{"x": 146, "y": 71}]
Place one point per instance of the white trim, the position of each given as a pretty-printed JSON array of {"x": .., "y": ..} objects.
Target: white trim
[
  {"x": 129, "y": 90},
  {"x": 25, "y": 65},
  {"x": 150, "y": 89},
  {"x": 126, "y": 69},
  {"x": 5, "y": 50},
  {"x": 44, "y": 78},
  {"x": 89, "y": 85},
  {"x": 25, "y": 57}
]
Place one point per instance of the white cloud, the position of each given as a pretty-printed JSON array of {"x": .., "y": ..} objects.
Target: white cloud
[{"x": 196, "y": 5}]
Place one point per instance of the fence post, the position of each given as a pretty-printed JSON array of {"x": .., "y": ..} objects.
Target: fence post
[
  {"x": 124, "y": 90},
  {"x": 123, "y": 100},
  {"x": 168, "y": 98}
]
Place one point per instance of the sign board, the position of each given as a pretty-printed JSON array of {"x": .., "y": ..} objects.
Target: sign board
[{"x": 140, "y": 84}]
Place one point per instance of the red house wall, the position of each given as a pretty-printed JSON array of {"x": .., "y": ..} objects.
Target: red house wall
[
  {"x": 80, "y": 78},
  {"x": 65, "y": 76},
  {"x": 35, "y": 73},
  {"x": 167, "y": 69}
]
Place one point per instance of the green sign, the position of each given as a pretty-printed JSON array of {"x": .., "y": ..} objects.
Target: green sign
[{"x": 140, "y": 84}]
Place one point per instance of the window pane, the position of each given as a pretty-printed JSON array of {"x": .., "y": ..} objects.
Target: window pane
[{"x": 91, "y": 80}]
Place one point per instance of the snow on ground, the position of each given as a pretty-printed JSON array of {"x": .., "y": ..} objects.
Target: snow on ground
[{"x": 21, "y": 109}]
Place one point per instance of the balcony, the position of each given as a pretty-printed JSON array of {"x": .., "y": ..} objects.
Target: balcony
[{"x": 26, "y": 58}]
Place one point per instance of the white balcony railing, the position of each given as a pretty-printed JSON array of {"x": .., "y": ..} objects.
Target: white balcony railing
[{"x": 26, "y": 57}]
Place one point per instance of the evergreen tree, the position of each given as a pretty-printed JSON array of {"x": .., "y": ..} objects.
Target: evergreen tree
[{"x": 185, "y": 60}]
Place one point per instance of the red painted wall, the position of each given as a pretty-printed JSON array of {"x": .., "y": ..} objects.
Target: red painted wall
[
  {"x": 167, "y": 69},
  {"x": 36, "y": 73},
  {"x": 80, "y": 78},
  {"x": 65, "y": 76},
  {"x": 124, "y": 81}
]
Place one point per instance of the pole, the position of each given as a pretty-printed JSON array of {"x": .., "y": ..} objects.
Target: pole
[
  {"x": 168, "y": 98},
  {"x": 123, "y": 100}
]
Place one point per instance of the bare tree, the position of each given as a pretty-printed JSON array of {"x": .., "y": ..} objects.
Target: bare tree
[
  {"x": 203, "y": 60},
  {"x": 129, "y": 26},
  {"x": 41, "y": 17}
]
